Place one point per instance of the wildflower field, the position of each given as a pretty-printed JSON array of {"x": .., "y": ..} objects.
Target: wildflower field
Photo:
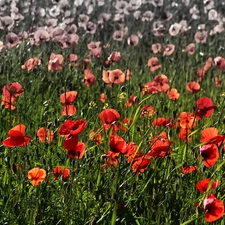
[{"x": 112, "y": 112}]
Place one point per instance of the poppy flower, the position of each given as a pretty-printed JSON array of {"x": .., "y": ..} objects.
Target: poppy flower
[
  {"x": 128, "y": 74},
  {"x": 117, "y": 144},
  {"x": 210, "y": 154},
  {"x": 105, "y": 76},
  {"x": 205, "y": 108},
  {"x": 109, "y": 116},
  {"x": 173, "y": 94},
  {"x": 211, "y": 135},
  {"x": 61, "y": 172},
  {"x": 89, "y": 78},
  {"x": 31, "y": 64},
  {"x": 193, "y": 87},
  {"x": 213, "y": 207},
  {"x": 67, "y": 99},
  {"x": 45, "y": 135},
  {"x": 55, "y": 62},
  {"x": 220, "y": 63},
  {"x": 95, "y": 49},
  {"x": 187, "y": 120},
  {"x": 147, "y": 111},
  {"x": 16, "y": 137},
  {"x": 133, "y": 40},
  {"x": 204, "y": 184},
  {"x": 161, "y": 82},
  {"x": 153, "y": 64},
  {"x": 160, "y": 146},
  {"x": 15, "y": 89},
  {"x": 77, "y": 153},
  {"x": 161, "y": 121},
  {"x": 168, "y": 49},
  {"x": 201, "y": 37},
  {"x": 70, "y": 127},
  {"x": 188, "y": 169},
  {"x": 156, "y": 48},
  {"x": 190, "y": 49},
  {"x": 70, "y": 142},
  {"x": 184, "y": 134},
  {"x": 130, "y": 149},
  {"x": 97, "y": 137},
  {"x": 115, "y": 57},
  {"x": 103, "y": 97},
  {"x": 36, "y": 175},
  {"x": 111, "y": 159},
  {"x": 140, "y": 163},
  {"x": 116, "y": 76}
]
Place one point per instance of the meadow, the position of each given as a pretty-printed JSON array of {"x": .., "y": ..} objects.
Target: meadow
[{"x": 112, "y": 112}]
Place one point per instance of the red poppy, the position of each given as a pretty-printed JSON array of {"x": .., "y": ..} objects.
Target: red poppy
[
  {"x": 89, "y": 78},
  {"x": 160, "y": 145},
  {"x": 173, "y": 94},
  {"x": 115, "y": 57},
  {"x": 210, "y": 154},
  {"x": 55, "y": 62},
  {"x": 147, "y": 111},
  {"x": 116, "y": 76},
  {"x": 130, "y": 149},
  {"x": 45, "y": 135},
  {"x": 184, "y": 134},
  {"x": 105, "y": 76},
  {"x": 111, "y": 159},
  {"x": 126, "y": 124},
  {"x": 161, "y": 83},
  {"x": 117, "y": 144},
  {"x": 205, "y": 108},
  {"x": 70, "y": 142},
  {"x": 193, "y": 87},
  {"x": 16, "y": 137},
  {"x": 67, "y": 99},
  {"x": 207, "y": 184},
  {"x": 70, "y": 127},
  {"x": 161, "y": 121},
  {"x": 140, "y": 163},
  {"x": 77, "y": 151},
  {"x": 213, "y": 207},
  {"x": 156, "y": 48},
  {"x": 211, "y": 135},
  {"x": 103, "y": 97},
  {"x": 187, "y": 120},
  {"x": 109, "y": 116},
  {"x": 36, "y": 175},
  {"x": 188, "y": 169},
  {"x": 61, "y": 172},
  {"x": 153, "y": 64},
  {"x": 31, "y": 63},
  {"x": 14, "y": 89},
  {"x": 97, "y": 137}
]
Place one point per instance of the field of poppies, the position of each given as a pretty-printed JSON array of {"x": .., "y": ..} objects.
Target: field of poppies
[{"x": 112, "y": 112}]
